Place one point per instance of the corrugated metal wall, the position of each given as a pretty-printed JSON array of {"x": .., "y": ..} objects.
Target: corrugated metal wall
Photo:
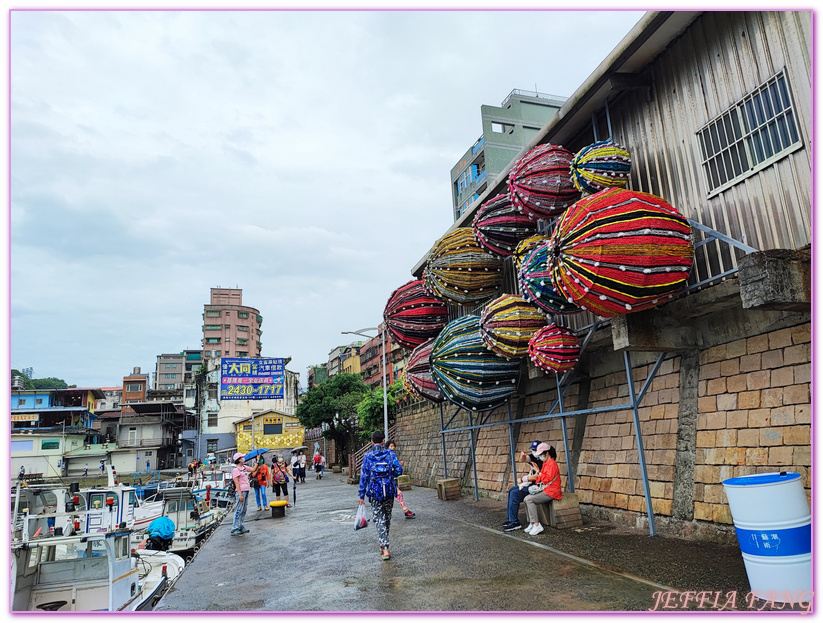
[{"x": 719, "y": 59}]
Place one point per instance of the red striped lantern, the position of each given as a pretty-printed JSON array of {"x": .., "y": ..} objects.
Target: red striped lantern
[
  {"x": 554, "y": 348},
  {"x": 540, "y": 182},
  {"x": 620, "y": 251},
  {"x": 499, "y": 226},
  {"x": 412, "y": 315},
  {"x": 418, "y": 380}
]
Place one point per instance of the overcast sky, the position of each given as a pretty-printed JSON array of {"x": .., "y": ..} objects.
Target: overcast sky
[{"x": 301, "y": 156}]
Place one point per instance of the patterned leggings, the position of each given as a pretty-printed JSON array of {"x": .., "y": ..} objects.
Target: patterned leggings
[
  {"x": 400, "y": 499},
  {"x": 381, "y": 516}
]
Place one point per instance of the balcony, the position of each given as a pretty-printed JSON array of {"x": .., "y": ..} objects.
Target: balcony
[{"x": 148, "y": 442}]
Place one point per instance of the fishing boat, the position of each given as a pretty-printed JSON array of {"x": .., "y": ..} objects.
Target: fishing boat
[
  {"x": 86, "y": 510},
  {"x": 212, "y": 484},
  {"x": 191, "y": 515},
  {"x": 68, "y": 559}
]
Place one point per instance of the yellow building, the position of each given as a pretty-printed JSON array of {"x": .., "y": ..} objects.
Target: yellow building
[
  {"x": 351, "y": 363},
  {"x": 269, "y": 429}
]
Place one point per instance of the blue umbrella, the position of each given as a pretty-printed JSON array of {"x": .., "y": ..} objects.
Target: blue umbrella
[{"x": 256, "y": 453}]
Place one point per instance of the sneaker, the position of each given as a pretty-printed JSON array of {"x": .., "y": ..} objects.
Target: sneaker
[
  {"x": 244, "y": 530},
  {"x": 537, "y": 530},
  {"x": 288, "y": 505},
  {"x": 512, "y": 526},
  {"x": 409, "y": 515},
  {"x": 528, "y": 529},
  {"x": 236, "y": 532},
  {"x": 259, "y": 509}
]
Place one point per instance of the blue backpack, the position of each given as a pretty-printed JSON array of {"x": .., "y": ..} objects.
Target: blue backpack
[{"x": 381, "y": 485}]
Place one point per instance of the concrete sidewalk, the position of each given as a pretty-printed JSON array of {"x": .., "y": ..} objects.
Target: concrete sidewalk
[{"x": 452, "y": 557}]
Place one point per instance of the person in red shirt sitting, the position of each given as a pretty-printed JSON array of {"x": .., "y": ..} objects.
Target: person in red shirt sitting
[{"x": 546, "y": 487}]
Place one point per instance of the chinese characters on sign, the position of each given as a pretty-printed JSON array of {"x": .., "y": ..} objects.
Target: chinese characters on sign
[{"x": 251, "y": 379}]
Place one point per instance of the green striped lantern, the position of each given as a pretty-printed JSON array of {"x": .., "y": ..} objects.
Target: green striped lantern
[
  {"x": 620, "y": 251},
  {"x": 603, "y": 164},
  {"x": 467, "y": 373},
  {"x": 525, "y": 247},
  {"x": 459, "y": 270},
  {"x": 534, "y": 279},
  {"x": 507, "y": 324},
  {"x": 554, "y": 349}
]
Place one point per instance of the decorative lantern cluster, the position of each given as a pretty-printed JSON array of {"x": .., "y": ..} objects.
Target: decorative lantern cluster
[{"x": 534, "y": 277}]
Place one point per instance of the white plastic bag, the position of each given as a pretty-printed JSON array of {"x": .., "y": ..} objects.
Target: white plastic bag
[{"x": 360, "y": 520}]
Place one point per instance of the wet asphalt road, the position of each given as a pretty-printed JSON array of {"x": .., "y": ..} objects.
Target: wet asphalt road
[{"x": 451, "y": 557}]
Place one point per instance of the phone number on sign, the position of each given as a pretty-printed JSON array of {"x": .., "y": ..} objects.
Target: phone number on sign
[{"x": 251, "y": 390}]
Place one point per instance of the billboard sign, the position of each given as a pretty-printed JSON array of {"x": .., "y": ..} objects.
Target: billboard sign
[{"x": 251, "y": 379}]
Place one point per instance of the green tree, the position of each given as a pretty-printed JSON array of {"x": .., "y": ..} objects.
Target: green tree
[
  {"x": 334, "y": 403},
  {"x": 370, "y": 409},
  {"x": 49, "y": 383}
]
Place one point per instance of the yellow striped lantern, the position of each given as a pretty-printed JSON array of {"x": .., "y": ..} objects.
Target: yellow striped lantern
[
  {"x": 620, "y": 251},
  {"x": 604, "y": 164},
  {"x": 507, "y": 324},
  {"x": 459, "y": 270},
  {"x": 554, "y": 349}
]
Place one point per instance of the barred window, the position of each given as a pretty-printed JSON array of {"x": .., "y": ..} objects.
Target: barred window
[{"x": 758, "y": 130}]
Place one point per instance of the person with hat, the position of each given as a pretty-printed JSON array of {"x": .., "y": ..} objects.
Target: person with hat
[
  {"x": 520, "y": 490},
  {"x": 545, "y": 488},
  {"x": 280, "y": 473},
  {"x": 240, "y": 475}
]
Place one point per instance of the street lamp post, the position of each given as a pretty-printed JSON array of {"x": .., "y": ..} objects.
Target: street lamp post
[{"x": 383, "y": 350}]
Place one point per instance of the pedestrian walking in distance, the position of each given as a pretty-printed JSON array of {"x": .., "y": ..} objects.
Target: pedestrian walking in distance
[
  {"x": 86, "y": 469},
  {"x": 377, "y": 481},
  {"x": 240, "y": 475}
]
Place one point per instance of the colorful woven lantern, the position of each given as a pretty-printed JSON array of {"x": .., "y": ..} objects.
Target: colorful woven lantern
[
  {"x": 507, "y": 323},
  {"x": 499, "y": 226},
  {"x": 604, "y": 164},
  {"x": 460, "y": 271},
  {"x": 534, "y": 279},
  {"x": 540, "y": 182},
  {"x": 554, "y": 348},
  {"x": 418, "y": 380},
  {"x": 467, "y": 373},
  {"x": 525, "y": 247},
  {"x": 413, "y": 316},
  {"x": 620, "y": 251}
]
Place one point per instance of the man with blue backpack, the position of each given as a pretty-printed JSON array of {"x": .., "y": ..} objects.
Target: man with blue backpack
[{"x": 377, "y": 481}]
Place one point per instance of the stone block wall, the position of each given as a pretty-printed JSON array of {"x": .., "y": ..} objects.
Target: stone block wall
[
  {"x": 754, "y": 414},
  {"x": 714, "y": 413}
]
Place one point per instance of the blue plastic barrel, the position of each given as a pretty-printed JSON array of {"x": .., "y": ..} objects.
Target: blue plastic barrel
[{"x": 773, "y": 524}]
